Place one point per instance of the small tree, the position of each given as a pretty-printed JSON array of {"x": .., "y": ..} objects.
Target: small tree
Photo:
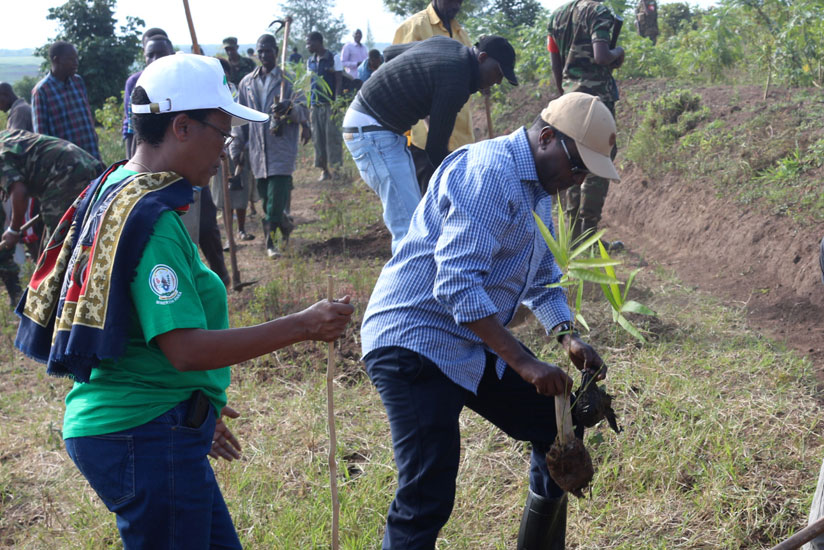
[
  {"x": 370, "y": 38},
  {"x": 405, "y": 8},
  {"x": 314, "y": 15},
  {"x": 105, "y": 57}
]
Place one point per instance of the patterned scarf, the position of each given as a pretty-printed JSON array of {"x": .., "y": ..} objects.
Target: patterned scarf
[{"x": 76, "y": 309}]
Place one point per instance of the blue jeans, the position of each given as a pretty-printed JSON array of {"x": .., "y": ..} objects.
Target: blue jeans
[
  {"x": 423, "y": 406},
  {"x": 159, "y": 482},
  {"x": 386, "y": 166}
]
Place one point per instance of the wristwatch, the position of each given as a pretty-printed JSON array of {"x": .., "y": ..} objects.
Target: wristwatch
[{"x": 563, "y": 329}]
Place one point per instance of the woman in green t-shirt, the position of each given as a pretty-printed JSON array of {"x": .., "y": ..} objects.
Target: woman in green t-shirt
[{"x": 141, "y": 427}]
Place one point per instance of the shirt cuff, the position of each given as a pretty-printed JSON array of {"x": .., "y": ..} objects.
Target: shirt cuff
[
  {"x": 551, "y": 315},
  {"x": 470, "y": 306}
]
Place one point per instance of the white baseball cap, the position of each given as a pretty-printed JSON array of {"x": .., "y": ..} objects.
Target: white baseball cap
[
  {"x": 185, "y": 82},
  {"x": 587, "y": 120}
]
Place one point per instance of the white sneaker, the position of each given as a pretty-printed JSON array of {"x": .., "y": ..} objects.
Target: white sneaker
[{"x": 272, "y": 252}]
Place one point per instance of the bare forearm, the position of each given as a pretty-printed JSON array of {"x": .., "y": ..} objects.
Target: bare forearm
[
  {"x": 557, "y": 71},
  {"x": 18, "y": 198},
  {"x": 200, "y": 350},
  {"x": 500, "y": 340}
]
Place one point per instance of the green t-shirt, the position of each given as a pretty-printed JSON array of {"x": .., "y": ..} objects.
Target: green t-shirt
[{"x": 172, "y": 289}]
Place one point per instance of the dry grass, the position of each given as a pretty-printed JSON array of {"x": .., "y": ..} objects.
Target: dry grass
[{"x": 720, "y": 450}]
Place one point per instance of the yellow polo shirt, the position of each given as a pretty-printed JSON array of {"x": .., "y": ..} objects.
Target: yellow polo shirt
[{"x": 426, "y": 24}]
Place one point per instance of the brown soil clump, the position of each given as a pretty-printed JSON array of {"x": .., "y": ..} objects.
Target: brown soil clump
[{"x": 570, "y": 466}]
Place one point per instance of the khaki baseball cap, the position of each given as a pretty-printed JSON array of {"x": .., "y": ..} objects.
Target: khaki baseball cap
[{"x": 587, "y": 120}]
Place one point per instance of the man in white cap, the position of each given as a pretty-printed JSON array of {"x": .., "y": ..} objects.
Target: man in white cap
[{"x": 434, "y": 336}]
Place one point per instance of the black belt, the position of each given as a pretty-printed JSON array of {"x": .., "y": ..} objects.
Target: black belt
[{"x": 364, "y": 129}]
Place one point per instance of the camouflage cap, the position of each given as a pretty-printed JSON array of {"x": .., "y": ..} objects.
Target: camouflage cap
[
  {"x": 587, "y": 120},
  {"x": 230, "y": 41}
]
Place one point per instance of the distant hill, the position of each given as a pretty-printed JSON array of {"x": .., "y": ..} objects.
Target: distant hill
[
  {"x": 14, "y": 67},
  {"x": 17, "y": 53}
]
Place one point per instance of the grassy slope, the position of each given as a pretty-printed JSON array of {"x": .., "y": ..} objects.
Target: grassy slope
[{"x": 720, "y": 450}]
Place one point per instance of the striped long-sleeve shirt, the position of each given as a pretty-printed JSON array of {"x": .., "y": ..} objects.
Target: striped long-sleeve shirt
[
  {"x": 473, "y": 250},
  {"x": 61, "y": 109}
]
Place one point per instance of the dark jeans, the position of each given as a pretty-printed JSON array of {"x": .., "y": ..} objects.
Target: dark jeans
[
  {"x": 423, "y": 167},
  {"x": 423, "y": 406},
  {"x": 158, "y": 480}
]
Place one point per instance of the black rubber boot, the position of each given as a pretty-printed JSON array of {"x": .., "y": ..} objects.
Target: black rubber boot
[{"x": 543, "y": 525}]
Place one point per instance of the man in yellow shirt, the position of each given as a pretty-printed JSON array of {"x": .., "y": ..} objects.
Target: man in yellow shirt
[{"x": 438, "y": 19}]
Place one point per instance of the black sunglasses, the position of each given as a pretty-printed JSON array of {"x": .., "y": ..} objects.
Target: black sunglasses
[{"x": 576, "y": 165}]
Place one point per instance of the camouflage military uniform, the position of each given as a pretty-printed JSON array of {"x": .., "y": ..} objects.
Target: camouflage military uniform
[
  {"x": 53, "y": 170},
  {"x": 646, "y": 19},
  {"x": 244, "y": 66},
  {"x": 574, "y": 27}
]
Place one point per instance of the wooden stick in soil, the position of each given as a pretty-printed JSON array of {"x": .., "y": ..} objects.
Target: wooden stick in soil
[
  {"x": 802, "y": 537},
  {"x": 330, "y": 419},
  {"x": 488, "y": 106},
  {"x": 228, "y": 226}
]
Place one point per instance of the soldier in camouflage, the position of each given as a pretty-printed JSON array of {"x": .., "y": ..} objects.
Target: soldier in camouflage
[
  {"x": 646, "y": 19},
  {"x": 50, "y": 169},
  {"x": 578, "y": 40}
]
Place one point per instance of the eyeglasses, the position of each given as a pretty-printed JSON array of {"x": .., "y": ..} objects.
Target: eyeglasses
[
  {"x": 576, "y": 166},
  {"x": 227, "y": 138}
]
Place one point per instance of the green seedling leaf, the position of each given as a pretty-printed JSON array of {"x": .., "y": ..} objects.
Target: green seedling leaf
[
  {"x": 635, "y": 307},
  {"x": 630, "y": 280},
  {"x": 629, "y": 327},
  {"x": 592, "y": 276},
  {"x": 613, "y": 288},
  {"x": 557, "y": 251},
  {"x": 596, "y": 262},
  {"x": 580, "y": 319},
  {"x": 587, "y": 244}
]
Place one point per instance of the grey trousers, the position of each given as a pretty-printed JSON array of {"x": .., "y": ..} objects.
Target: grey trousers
[{"x": 326, "y": 137}]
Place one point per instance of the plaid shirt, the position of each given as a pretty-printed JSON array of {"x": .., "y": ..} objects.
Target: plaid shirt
[
  {"x": 473, "y": 250},
  {"x": 61, "y": 109}
]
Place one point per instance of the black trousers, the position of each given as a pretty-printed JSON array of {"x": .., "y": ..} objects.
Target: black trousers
[{"x": 423, "y": 406}]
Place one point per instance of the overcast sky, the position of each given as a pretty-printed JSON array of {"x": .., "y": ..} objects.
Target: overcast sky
[{"x": 25, "y": 25}]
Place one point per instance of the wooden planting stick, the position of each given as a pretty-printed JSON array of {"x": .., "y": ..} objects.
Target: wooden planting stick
[
  {"x": 227, "y": 224},
  {"x": 563, "y": 418},
  {"x": 330, "y": 418},
  {"x": 195, "y": 45},
  {"x": 488, "y": 107},
  {"x": 802, "y": 537}
]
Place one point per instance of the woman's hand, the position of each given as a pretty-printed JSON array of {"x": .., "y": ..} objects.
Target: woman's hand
[
  {"x": 326, "y": 320},
  {"x": 224, "y": 444}
]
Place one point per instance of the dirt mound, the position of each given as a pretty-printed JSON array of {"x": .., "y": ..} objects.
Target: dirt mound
[
  {"x": 764, "y": 262},
  {"x": 375, "y": 242}
]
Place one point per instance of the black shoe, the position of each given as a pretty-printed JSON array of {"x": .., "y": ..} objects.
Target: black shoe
[{"x": 543, "y": 525}]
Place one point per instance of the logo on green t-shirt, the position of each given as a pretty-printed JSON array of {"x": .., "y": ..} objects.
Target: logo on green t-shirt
[{"x": 163, "y": 282}]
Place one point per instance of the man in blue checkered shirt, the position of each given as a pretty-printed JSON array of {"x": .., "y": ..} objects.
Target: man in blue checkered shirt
[
  {"x": 60, "y": 107},
  {"x": 434, "y": 336}
]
